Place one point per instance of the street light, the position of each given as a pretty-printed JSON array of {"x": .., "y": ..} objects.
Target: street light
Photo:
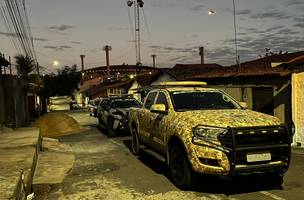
[{"x": 211, "y": 12}]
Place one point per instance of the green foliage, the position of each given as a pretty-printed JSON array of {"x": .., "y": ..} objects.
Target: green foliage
[
  {"x": 24, "y": 64},
  {"x": 64, "y": 83}
]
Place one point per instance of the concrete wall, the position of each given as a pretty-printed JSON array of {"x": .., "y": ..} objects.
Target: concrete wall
[
  {"x": 282, "y": 102},
  {"x": 297, "y": 84},
  {"x": 2, "y": 102},
  {"x": 240, "y": 94},
  {"x": 13, "y": 102},
  {"x": 281, "y": 99}
]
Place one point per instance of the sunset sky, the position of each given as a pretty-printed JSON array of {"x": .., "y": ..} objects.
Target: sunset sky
[{"x": 171, "y": 29}]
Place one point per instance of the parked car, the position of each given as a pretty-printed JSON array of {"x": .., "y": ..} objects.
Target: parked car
[
  {"x": 93, "y": 106},
  {"x": 113, "y": 113},
  {"x": 198, "y": 129},
  {"x": 74, "y": 105}
]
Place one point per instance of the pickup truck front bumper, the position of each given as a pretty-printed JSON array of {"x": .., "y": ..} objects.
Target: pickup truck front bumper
[{"x": 245, "y": 150}]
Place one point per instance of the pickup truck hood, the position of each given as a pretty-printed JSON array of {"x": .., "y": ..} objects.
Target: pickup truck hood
[{"x": 224, "y": 118}]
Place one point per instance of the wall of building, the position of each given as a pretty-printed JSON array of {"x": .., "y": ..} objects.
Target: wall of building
[
  {"x": 297, "y": 84},
  {"x": 282, "y": 102},
  {"x": 240, "y": 94},
  {"x": 13, "y": 102},
  {"x": 2, "y": 101}
]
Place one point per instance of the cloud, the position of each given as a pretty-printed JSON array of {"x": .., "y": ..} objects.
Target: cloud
[
  {"x": 169, "y": 49},
  {"x": 274, "y": 28},
  {"x": 57, "y": 48},
  {"x": 287, "y": 31},
  {"x": 197, "y": 8},
  {"x": 299, "y": 19},
  {"x": 15, "y": 35},
  {"x": 271, "y": 14},
  {"x": 62, "y": 27},
  {"x": 294, "y": 3},
  {"x": 75, "y": 42},
  {"x": 299, "y": 25},
  {"x": 243, "y": 12}
]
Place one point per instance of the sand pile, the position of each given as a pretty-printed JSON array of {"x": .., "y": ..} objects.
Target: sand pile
[{"x": 56, "y": 124}]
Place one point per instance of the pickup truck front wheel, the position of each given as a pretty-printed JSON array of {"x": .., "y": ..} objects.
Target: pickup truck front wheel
[
  {"x": 135, "y": 142},
  {"x": 179, "y": 168}
]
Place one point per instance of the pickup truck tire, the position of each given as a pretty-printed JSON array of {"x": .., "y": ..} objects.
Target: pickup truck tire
[
  {"x": 135, "y": 142},
  {"x": 179, "y": 167}
]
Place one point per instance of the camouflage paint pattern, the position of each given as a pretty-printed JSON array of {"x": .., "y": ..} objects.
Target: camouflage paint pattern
[{"x": 180, "y": 124}]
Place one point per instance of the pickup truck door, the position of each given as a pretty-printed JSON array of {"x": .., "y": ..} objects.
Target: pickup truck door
[
  {"x": 144, "y": 117},
  {"x": 159, "y": 123}
]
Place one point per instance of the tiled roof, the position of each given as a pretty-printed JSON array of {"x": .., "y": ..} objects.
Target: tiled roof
[
  {"x": 107, "y": 85},
  {"x": 120, "y": 67},
  {"x": 257, "y": 67},
  {"x": 147, "y": 79},
  {"x": 196, "y": 66}
]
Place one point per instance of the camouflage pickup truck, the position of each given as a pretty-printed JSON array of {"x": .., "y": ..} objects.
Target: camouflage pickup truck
[{"x": 196, "y": 129}]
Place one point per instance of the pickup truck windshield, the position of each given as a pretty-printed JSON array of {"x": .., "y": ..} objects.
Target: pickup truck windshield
[
  {"x": 125, "y": 103},
  {"x": 202, "y": 100}
]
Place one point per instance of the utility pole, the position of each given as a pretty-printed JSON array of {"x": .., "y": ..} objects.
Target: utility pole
[
  {"x": 40, "y": 102},
  {"x": 82, "y": 66},
  {"x": 153, "y": 57},
  {"x": 107, "y": 48},
  {"x": 201, "y": 53},
  {"x": 82, "y": 62},
  {"x": 137, "y": 4},
  {"x": 10, "y": 65}
]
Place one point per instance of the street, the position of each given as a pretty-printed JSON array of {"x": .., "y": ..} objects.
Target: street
[{"x": 104, "y": 168}]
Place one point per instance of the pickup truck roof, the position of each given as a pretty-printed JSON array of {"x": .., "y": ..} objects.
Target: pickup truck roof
[
  {"x": 173, "y": 84},
  {"x": 183, "y": 83}
]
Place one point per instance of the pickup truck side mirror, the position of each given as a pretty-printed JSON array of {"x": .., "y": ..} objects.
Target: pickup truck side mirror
[
  {"x": 159, "y": 108},
  {"x": 243, "y": 105}
]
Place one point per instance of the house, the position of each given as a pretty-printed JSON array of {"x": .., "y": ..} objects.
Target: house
[
  {"x": 95, "y": 77},
  {"x": 108, "y": 88},
  {"x": 146, "y": 80},
  {"x": 271, "y": 85}
]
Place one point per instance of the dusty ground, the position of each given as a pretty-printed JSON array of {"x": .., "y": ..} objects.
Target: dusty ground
[{"x": 56, "y": 124}]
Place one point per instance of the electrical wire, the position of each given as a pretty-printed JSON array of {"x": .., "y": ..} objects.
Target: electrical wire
[{"x": 17, "y": 23}]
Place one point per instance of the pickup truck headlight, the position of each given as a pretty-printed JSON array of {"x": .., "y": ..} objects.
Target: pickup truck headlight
[{"x": 208, "y": 133}]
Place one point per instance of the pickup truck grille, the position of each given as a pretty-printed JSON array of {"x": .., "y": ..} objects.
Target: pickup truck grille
[
  {"x": 241, "y": 141},
  {"x": 254, "y": 136}
]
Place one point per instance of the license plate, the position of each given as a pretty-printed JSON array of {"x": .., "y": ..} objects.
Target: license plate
[{"x": 256, "y": 157}]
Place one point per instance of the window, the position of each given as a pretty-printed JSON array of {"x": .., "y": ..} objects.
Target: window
[
  {"x": 197, "y": 100},
  {"x": 161, "y": 99},
  {"x": 150, "y": 100}
]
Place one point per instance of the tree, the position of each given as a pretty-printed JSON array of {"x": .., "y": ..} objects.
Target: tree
[
  {"x": 25, "y": 65},
  {"x": 64, "y": 83}
]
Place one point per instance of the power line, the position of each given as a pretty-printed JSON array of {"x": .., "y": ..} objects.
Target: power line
[{"x": 16, "y": 21}]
